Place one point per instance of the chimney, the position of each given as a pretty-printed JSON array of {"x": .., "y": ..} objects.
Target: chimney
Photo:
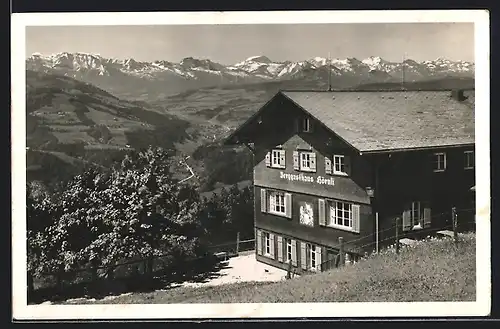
[{"x": 458, "y": 94}]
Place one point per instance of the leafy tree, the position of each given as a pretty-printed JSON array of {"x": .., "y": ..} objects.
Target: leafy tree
[
  {"x": 136, "y": 209},
  {"x": 42, "y": 249}
]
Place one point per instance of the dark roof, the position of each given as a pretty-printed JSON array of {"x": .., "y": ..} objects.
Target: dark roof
[{"x": 373, "y": 121}]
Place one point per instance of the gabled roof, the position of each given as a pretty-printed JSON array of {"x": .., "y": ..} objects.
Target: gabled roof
[{"x": 374, "y": 121}]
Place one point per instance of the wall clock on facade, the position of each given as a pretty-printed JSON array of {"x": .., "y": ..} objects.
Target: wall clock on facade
[{"x": 306, "y": 214}]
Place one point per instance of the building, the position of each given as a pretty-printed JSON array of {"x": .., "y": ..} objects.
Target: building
[{"x": 330, "y": 164}]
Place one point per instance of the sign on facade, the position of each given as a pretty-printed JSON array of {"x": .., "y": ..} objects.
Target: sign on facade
[{"x": 307, "y": 178}]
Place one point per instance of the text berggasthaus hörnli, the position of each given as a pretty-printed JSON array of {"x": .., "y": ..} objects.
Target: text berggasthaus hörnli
[{"x": 307, "y": 179}]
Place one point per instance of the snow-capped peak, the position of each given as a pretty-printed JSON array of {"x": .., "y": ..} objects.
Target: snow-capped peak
[
  {"x": 372, "y": 60},
  {"x": 259, "y": 58}
]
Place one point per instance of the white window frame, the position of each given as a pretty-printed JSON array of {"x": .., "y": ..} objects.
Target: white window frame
[
  {"x": 306, "y": 124},
  {"x": 311, "y": 248},
  {"x": 334, "y": 221},
  {"x": 267, "y": 243},
  {"x": 276, "y": 158},
  {"x": 280, "y": 207},
  {"x": 288, "y": 250},
  {"x": 339, "y": 159},
  {"x": 301, "y": 161},
  {"x": 469, "y": 163},
  {"x": 417, "y": 222},
  {"x": 437, "y": 162}
]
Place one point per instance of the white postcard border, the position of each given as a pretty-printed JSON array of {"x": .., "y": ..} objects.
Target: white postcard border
[{"x": 168, "y": 311}]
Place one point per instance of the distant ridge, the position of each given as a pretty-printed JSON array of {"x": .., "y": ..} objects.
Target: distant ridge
[{"x": 139, "y": 80}]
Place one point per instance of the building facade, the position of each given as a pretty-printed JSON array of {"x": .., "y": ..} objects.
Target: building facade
[{"x": 330, "y": 165}]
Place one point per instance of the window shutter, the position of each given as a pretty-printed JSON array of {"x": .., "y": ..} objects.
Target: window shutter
[
  {"x": 259, "y": 242},
  {"x": 327, "y": 262},
  {"x": 347, "y": 165},
  {"x": 294, "y": 253},
  {"x": 280, "y": 249},
  {"x": 355, "y": 217},
  {"x": 303, "y": 258},
  {"x": 321, "y": 212},
  {"x": 311, "y": 125},
  {"x": 406, "y": 220},
  {"x": 328, "y": 166},
  {"x": 263, "y": 200},
  {"x": 288, "y": 205},
  {"x": 313, "y": 162},
  {"x": 319, "y": 261},
  {"x": 427, "y": 217},
  {"x": 282, "y": 159},
  {"x": 271, "y": 245},
  {"x": 296, "y": 160},
  {"x": 268, "y": 159}
]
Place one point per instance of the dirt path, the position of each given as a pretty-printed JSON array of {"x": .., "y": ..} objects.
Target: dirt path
[{"x": 243, "y": 269}]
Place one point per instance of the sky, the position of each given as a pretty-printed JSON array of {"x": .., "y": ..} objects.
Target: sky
[{"x": 229, "y": 44}]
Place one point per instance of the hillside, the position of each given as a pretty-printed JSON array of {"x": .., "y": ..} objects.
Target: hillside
[
  {"x": 73, "y": 124},
  {"x": 432, "y": 270}
]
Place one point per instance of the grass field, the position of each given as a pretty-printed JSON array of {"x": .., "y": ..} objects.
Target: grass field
[{"x": 432, "y": 270}]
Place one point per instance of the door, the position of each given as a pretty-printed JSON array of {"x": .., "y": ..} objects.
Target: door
[{"x": 331, "y": 256}]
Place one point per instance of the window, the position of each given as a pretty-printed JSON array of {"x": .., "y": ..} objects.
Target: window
[
  {"x": 277, "y": 203},
  {"x": 439, "y": 162},
  {"x": 341, "y": 214},
  {"x": 307, "y": 161},
  {"x": 304, "y": 161},
  {"x": 417, "y": 215},
  {"x": 339, "y": 164},
  {"x": 288, "y": 250},
  {"x": 469, "y": 159},
  {"x": 278, "y": 159},
  {"x": 267, "y": 243},
  {"x": 306, "y": 125},
  {"x": 312, "y": 257}
]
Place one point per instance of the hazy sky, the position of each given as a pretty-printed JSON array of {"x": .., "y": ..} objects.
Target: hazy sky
[{"x": 229, "y": 44}]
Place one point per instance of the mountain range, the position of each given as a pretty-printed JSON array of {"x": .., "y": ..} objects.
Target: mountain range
[{"x": 142, "y": 80}]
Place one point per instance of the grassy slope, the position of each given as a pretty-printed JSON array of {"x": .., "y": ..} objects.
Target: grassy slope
[{"x": 434, "y": 270}]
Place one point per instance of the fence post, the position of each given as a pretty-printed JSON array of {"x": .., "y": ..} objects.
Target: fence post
[
  {"x": 454, "y": 223},
  {"x": 341, "y": 251},
  {"x": 397, "y": 235},
  {"x": 376, "y": 233},
  {"x": 238, "y": 243}
]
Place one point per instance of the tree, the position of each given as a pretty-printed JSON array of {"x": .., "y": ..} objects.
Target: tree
[
  {"x": 136, "y": 209},
  {"x": 42, "y": 238}
]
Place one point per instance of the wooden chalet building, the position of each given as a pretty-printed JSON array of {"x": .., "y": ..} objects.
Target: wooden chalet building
[{"x": 330, "y": 164}]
